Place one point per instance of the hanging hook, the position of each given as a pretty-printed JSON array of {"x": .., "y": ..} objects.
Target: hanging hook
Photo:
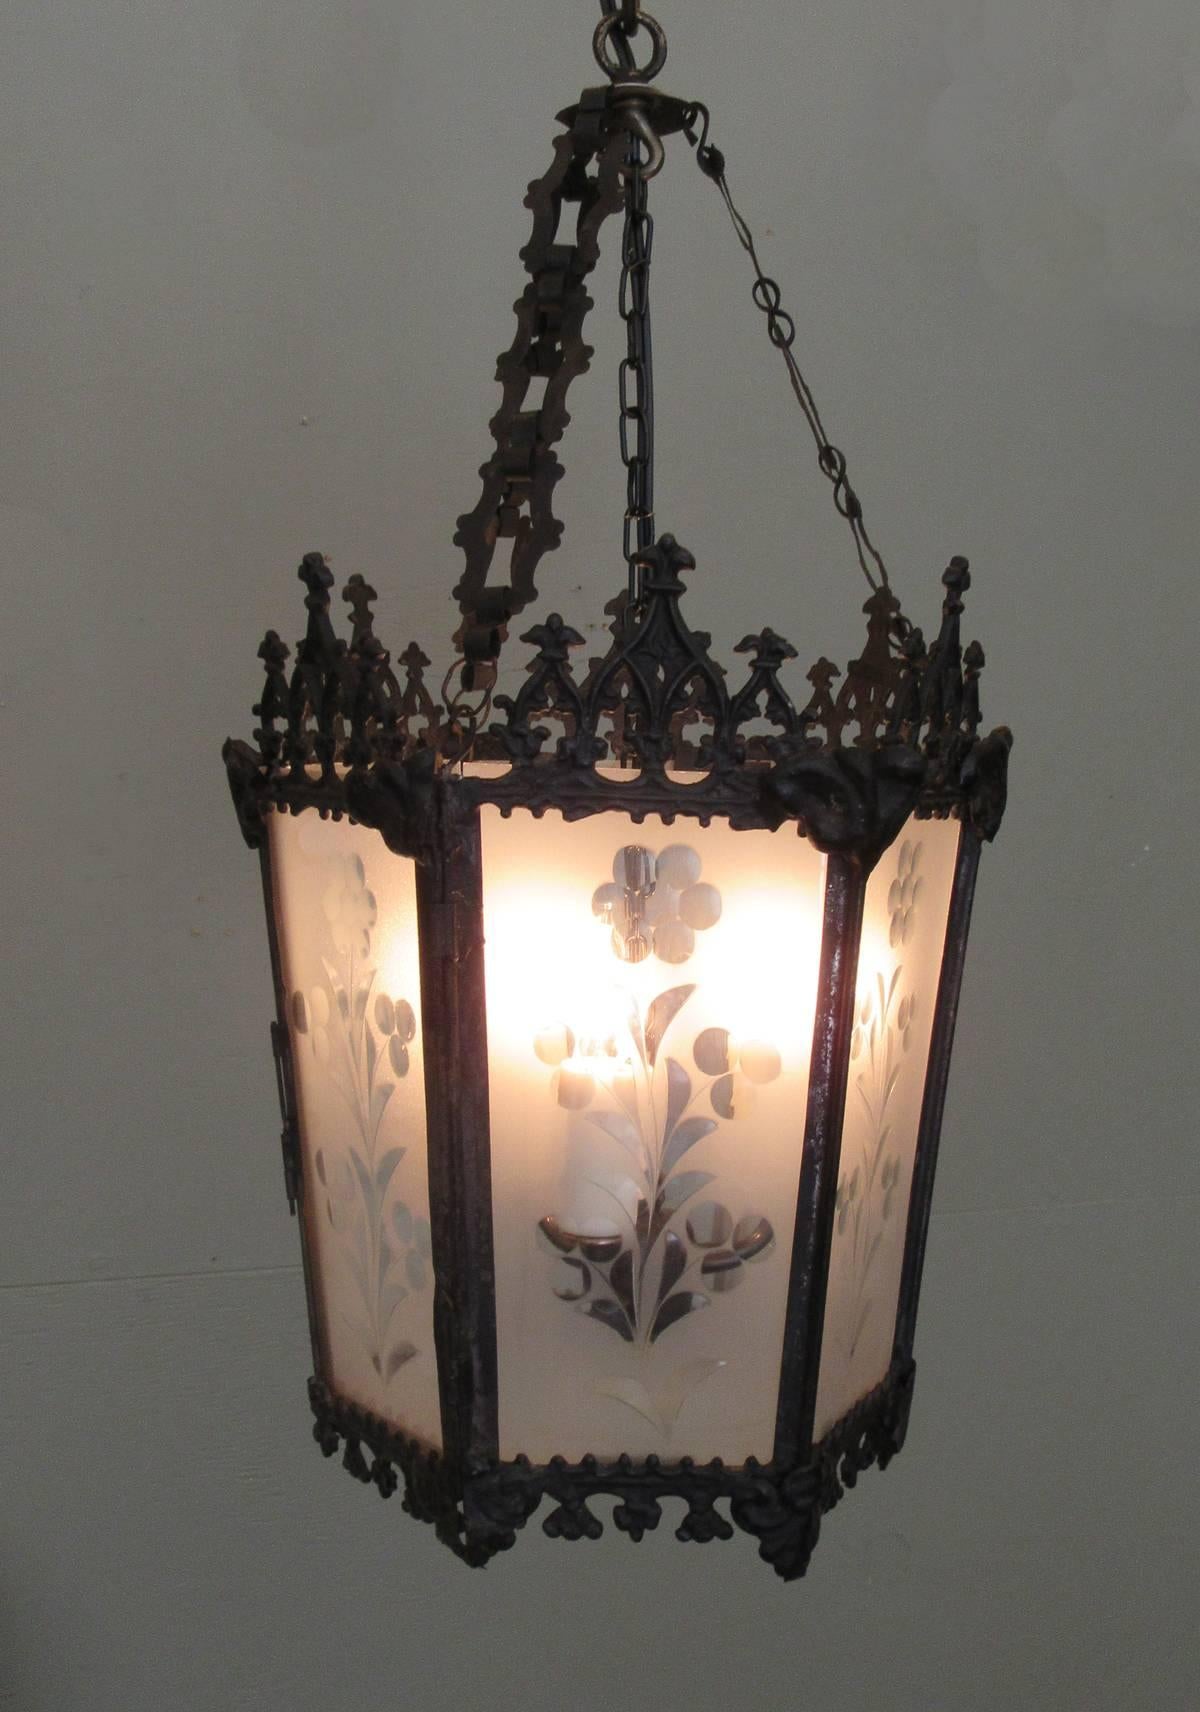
[{"x": 631, "y": 111}]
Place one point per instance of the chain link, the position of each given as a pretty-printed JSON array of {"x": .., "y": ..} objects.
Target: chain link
[
  {"x": 620, "y": 21},
  {"x": 635, "y": 386}
]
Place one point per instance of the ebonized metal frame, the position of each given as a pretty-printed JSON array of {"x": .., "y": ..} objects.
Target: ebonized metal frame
[
  {"x": 651, "y": 728},
  {"x": 479, "y": 1515}
]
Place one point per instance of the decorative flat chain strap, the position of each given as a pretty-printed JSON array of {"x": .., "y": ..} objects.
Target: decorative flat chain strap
[{"x": 516, "y": 503}]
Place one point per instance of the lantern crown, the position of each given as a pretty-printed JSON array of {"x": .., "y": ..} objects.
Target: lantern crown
[{"x": 649, "y": 727}]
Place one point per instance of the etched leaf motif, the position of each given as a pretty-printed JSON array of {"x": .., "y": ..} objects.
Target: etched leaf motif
[
  {"x": 385, "y": 1170},
  {"x": 676, "y": 1194},
  {"x": 634, "y": 1394},
  {"x": 620, "y": 1277},
  {"x": 609, "y": 1314},
  {"x": 674, "y": 1309},
  {"x": 624, "y": 1193},
  {"x": 379, "y": 1100},
  {"x": 620, "y": 1126},
  {"x": 397, "y": 1356},
  {"x": 686, "y": 1135},
  {"x": 637, "y": 1034},
  {"x": 660, "y": 1405},
  {"x": 358, "y": 1272},
  {"x": 390, "y": 1298},
  {"x": 673, "y": 1266},
  {"x": 661, "y": 1014},
  {"x": 363, "y": 1175},
  {"x": 679, "y": 1092}
]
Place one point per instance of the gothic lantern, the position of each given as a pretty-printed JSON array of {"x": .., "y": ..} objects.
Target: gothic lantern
[{"x": 614, "y": 1016}]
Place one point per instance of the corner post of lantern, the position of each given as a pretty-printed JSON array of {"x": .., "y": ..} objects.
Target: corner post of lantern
[
  {"x": 934, "y": 1101},
  {"x": 845, "y": 892},
  {"x": 453, "y": 998},
  {"x": 289, "y": 1108}
]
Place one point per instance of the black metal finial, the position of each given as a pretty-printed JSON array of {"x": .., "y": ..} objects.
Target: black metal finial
[{"x": 358, "y": 595}]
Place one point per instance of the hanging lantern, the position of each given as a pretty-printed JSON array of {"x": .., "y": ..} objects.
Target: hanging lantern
[{"x": 613, "y": 1032}]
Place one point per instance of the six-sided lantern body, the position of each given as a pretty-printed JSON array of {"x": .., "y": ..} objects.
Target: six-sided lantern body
[{"x": 612, "y": 1060}]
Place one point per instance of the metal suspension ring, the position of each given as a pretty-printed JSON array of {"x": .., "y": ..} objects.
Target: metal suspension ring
[{"x": 611, "y": 65}]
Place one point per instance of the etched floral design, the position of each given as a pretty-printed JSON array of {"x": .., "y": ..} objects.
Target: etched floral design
[
  {"x": 349, "y": 906},
  {"x": 361, "y": 1037},
  {"x": 664, "y": 1254},
  {"x": 904, "y": 894},
  {"x": 905, "y": 1017},
  {"x": 870, "y": 1190},
  {"x": 847, "y": 1196},
  {"x": 656, "y": 904},
  {"x": 736, "y": 1068}
]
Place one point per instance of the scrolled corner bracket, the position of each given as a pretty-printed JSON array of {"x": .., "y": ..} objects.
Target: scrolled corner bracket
[
  {"x": 516, "y": 502},
  {"x": 850, "y": 802},
  {"x": 397, "y": 800},
  {"x": 244, "y": 771},
  {"x": 984, "y": 781}
]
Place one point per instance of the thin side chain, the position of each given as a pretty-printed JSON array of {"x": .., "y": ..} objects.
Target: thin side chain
[{"x": 781, "y": 330}]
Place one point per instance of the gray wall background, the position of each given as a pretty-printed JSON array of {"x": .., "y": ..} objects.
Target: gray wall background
[{"x": 259, "y": 260}]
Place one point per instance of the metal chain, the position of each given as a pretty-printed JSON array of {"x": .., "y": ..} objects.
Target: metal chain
[
  {"x": 621, "y": 31},
  {"x": 620, "y": 21},
  {"x": 781, "y": 330},
  {"x": 636, "y": 374}
]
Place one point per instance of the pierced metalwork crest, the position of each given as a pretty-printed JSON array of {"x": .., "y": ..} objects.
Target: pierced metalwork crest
[{"x": 651, "y": 727}]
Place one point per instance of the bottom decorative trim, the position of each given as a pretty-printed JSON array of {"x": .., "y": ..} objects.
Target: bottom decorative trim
[{"x": 478, "y": 1512}]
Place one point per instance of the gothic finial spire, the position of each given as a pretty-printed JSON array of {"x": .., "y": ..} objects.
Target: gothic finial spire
[
  {"x": 320, "y": 646},
  {"x": 358, "y": 595},
  {"x": 273, "y": 652}
]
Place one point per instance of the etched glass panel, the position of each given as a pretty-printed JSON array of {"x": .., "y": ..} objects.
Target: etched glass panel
[
  {"x": 347, "y": 923},
  {"x": 650, "y": 1011},
  {"x": 899, "y": 965}
]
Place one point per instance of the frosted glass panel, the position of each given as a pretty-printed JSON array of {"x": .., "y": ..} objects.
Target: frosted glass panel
[
  {"x": 346, "y": 909},
  {"x": 650, "y": 1010},
  {"x": 904, "y": 932}
]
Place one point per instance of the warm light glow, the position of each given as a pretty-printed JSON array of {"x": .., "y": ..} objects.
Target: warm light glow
[
  {"x": 650, "y": 999},
  {"x": 778, "y": 978},
  {"x": 900, "y": 957},
  {"x": 347, "y": 921},
  {"x": 550, "y": 965}
]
